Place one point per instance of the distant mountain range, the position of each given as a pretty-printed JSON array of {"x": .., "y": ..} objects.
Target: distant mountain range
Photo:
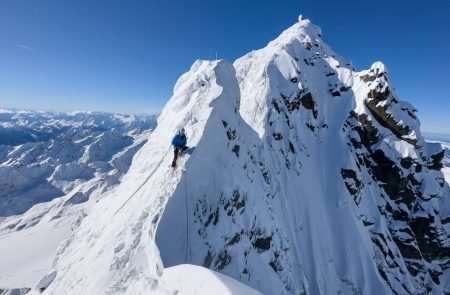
[
  {"x": 437, "y": 136},
  {"x": 44, "y": 155}
]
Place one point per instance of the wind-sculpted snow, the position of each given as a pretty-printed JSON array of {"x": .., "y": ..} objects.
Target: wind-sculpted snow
[{"x": 304, "y": 176}]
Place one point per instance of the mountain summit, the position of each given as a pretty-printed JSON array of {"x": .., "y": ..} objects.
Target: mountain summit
[{"x": 305, "y": 176}]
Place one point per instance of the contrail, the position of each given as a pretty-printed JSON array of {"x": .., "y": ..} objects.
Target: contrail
[{"x": 24, "y": 47}]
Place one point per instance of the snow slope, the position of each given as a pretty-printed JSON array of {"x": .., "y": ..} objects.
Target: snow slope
[
  {"x": 195, "y": 280},
  {"x": 446, "y": 172},
  {"x": 304, "y": 176},
  {"x": 60, "y": 174},
  {"x": 27, "y": 255}
]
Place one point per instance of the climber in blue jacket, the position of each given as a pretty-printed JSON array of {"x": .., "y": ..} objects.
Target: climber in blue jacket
[{"x": 179, "y": 145}]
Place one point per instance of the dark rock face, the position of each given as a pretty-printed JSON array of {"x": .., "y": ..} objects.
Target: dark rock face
[
  {"x": 417, "y": 233},
  {"x": 415, "y": 243},
  {"x": 380, "y": 101},
  {"x": 353, "y": 184},
  {"x": 367, "y": 132},
  {"x": 382, "y": 115},
  {"x": 394, "y": 184},
  {"x": 301, "y": 99},
  {"x": 436, "y": 161}
]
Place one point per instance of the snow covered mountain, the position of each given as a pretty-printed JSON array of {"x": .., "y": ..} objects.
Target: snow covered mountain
[
  {"x": 304, "y": 176},
  {"x": 45, "y": 155},
  {"x": 441, "y": 137},
  {"x": 58, "y": 165}
]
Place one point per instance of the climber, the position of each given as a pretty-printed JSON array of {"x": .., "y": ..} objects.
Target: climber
[{"x": 179, "y": 145}]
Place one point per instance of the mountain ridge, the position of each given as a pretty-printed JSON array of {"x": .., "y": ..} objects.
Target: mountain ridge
[
  {"x": 258, "y": 227},
  {"x": 304, "y": 177}
]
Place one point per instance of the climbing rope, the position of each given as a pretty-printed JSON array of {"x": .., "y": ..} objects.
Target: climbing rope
[{"x": 145, "y": 181}]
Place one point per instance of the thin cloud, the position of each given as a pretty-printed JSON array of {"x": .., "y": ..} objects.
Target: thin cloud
[{"x": 24, "y": 47}]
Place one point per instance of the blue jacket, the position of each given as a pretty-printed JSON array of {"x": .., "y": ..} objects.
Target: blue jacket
[{"x": 179, "y": 140}]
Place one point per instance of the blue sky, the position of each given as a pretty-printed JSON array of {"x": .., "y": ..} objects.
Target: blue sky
[{"x": 125, "y": 56}]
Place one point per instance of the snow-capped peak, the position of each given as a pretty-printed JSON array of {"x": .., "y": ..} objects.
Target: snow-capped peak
[
  {"x": 304, "y": 31},
  {"x": 379, "y": 68},
  {"x": 303, "y": 176}
]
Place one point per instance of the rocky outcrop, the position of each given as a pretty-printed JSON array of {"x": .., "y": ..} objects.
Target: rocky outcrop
[
  {"x": 380, "y": 101},
  {"x": 418, "y": 233}
]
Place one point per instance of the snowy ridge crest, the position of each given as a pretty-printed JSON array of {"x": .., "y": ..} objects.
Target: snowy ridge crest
[
  {"x": 119, "y": 232},
  {"x": 304, "y": 30}
]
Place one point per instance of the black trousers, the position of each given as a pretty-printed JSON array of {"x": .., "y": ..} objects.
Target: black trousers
[{"x": 176, "y": 151}]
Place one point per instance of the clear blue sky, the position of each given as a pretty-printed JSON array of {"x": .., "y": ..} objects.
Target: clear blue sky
[{"x": 125, "y": 56}]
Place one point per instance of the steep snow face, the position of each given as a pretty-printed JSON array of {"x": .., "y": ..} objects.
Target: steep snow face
[
  {"x": 331, "y": 189},
  {"x": 304, "y": 176},
  {"x": 351, "y": 169},
  {"x": 114, "y": 251},
  {"x": 219, "y": 215},
  {"x": 259, "y": 210},
  {"x": 46, "y": 155}
]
